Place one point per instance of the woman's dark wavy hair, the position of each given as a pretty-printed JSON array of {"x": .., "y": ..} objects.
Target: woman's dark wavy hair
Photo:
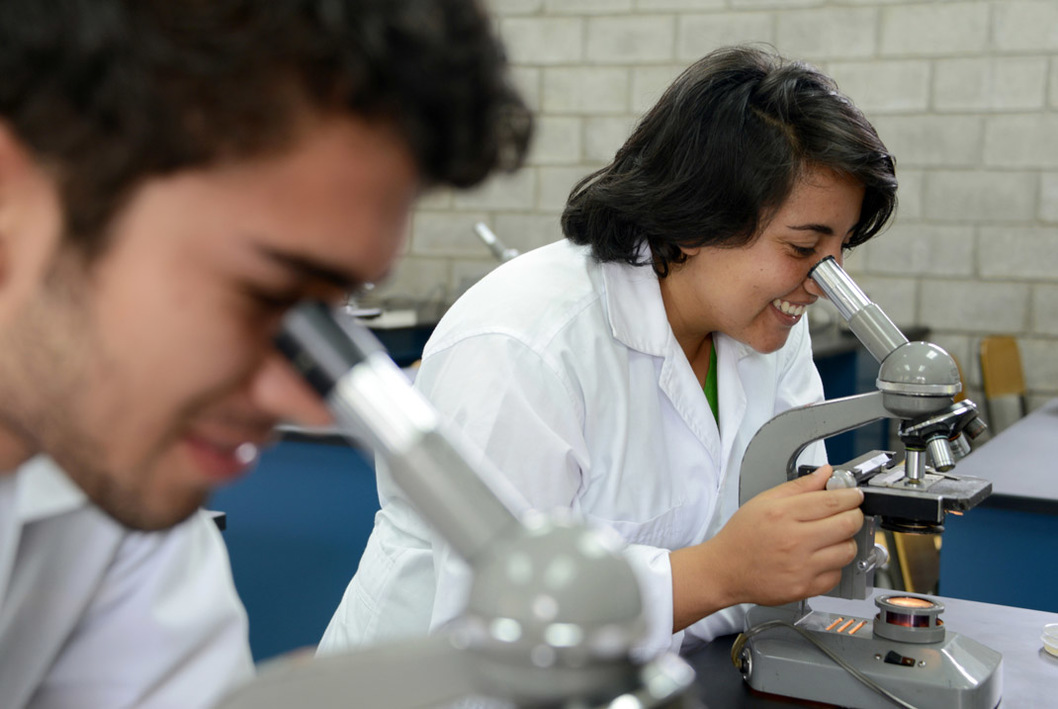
[
  {"x": 106, "y": 93},
  {"x": 719, "y": 153}
]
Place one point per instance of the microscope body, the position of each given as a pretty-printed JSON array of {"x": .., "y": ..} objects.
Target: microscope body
[
  {"x": 905, "y": 649},
  {"x": 554, "y": 607}
]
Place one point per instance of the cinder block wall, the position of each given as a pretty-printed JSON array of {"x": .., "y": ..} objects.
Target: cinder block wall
[{"x": 965, "y": 94}]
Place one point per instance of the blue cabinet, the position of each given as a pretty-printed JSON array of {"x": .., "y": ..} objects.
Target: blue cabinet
[{"x": 296, "y": 528}]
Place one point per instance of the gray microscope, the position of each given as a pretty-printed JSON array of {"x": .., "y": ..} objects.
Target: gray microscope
[
  {"x": 554, "y": 608},
  {"x": 903, "y": 655}
]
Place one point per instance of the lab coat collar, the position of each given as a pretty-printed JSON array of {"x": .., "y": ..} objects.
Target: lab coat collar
[
  {"x": 637, "y": 312},
  {"x": 44, "y": 490},
  {"x": 637, "y": 318},
  {"x": 635, "y": 308}
]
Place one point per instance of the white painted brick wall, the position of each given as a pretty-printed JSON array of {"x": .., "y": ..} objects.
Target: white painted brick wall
[
  {"x": 775, "y": 4},
  {"x": 557, "y": 140},
  {"x": 1039, "y": 363},
  {"x": 1021, "y": 140},
  {"x": 528, "y": 80},
  {"x": 980, "y": 196},
  {"x": 909, "y": 194},
  {"x": 447, "y": 234},
  {"x": 555, "y": 184},
  {"x": 515, "y": 191},
  {"x": 926, "y": 140},
  {"x": 922, "y": 249},
  {"x": 649, "y": 83},
  {"x": 514, "y": 7},
  {"x": 1052, "y": 88},
  {"x": 537, "y": 41},
  {"x": 700, "y": 34},
  {"x": 963, "y": 92},
  {"x": 990, "y": 84},
  {"x": 830, "y": 33},
  {"x": 1045, "y": 310},
  {"x": 935, "y": 28},
  {"x": 639, "y": 39},
  {"x": 527, "y": 231},
  {"x": 692, "y": 5},
  {"x": 896, "y": 86},
  {"x": 585, "y": 90},
  {"x": 979, "y": 306},
  {"x": 1026, "y": 26},
  {"x": 603, "y": 135},
  {"x": 1018, "y": 253},
  {"x": 586, "y": 7},
  {"x": 416, "y": 278},
  {"x": 1048, "y": 209}
]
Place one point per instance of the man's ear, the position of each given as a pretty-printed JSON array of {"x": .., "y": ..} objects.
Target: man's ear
[{"x": 30, "y": 213}]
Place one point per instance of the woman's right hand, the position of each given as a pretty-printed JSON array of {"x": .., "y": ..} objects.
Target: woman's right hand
[{"x": 785, "y": 544}]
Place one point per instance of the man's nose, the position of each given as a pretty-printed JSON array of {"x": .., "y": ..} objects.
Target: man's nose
[{"x": 280, "y": 391}]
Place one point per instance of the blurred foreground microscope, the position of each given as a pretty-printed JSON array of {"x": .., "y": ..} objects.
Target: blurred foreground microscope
[
  {"x": 554, "y": 608},
  {"x": 903, "y": 656}
]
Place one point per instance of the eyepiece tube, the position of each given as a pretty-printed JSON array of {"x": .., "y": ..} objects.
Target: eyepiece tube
[
  {"x": 866, "y": 320},
  {"x": 371, "y": 398}
]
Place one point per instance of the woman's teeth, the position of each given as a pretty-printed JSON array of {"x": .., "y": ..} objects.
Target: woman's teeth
[{"x": 789, "y": 308}]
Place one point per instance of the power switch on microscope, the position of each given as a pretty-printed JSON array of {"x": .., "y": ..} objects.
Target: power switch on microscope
[{"x": 895, "y": 658}]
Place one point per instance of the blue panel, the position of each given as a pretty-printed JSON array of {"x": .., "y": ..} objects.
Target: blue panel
[
  {"x": 297, "y": 526},
  {"x": 1007, "y": 557}
]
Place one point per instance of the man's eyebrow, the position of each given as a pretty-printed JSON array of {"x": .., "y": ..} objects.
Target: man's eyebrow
[{"x": 311, "y": 269}]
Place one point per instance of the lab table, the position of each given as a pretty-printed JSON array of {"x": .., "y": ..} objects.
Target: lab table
[
  {"x": 1030, "y": 675},
  {"x": 1006, "y": 550}
]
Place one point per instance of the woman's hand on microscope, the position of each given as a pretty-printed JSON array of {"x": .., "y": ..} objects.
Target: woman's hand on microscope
[{"x": 787, "y": 543}]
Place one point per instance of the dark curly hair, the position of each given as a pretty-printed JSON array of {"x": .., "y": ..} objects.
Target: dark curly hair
[
  {"x": 106, "y": 93},
  {"x": 719, "y": 153}
]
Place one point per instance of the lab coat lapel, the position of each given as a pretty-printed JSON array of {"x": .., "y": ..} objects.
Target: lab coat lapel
[
  {"x": 637, "y": 319},
  {"x": 679, "y": 384},
  {"x": 730, "y": 375},
  {"x": 732, "y": 369}
]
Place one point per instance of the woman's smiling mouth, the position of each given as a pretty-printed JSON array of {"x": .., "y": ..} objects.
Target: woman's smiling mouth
[{"x": 787, "y": 308}]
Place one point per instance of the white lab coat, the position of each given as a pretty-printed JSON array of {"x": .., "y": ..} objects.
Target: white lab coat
[
  {"x": 95, "y": 615},
  {"x": 566, "y": 375}
]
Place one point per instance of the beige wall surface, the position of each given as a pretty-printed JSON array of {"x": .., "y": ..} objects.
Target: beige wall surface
[{"x": 965, "y": 94}]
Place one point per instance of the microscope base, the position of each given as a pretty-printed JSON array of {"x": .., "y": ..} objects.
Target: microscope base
[{"x": 954, "y": 672}]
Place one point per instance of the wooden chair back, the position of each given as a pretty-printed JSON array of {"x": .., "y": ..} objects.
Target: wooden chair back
[{"x": 1003, "y": 381}]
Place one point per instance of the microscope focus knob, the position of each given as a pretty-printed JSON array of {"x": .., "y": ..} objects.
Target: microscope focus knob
[{"x": 841, "y": 479}]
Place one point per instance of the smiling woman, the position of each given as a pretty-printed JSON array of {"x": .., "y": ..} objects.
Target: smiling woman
[{"x": 621, "y": 373}]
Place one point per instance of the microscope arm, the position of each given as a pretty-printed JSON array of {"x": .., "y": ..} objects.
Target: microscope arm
[{"x": 775, "y": 448}]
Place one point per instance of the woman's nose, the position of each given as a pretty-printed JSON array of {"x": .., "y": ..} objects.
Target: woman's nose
[
  {"x": 280, "y": 391},
  {"x": 813, "y": 288},
  {"x": 838, "y": 252}
]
